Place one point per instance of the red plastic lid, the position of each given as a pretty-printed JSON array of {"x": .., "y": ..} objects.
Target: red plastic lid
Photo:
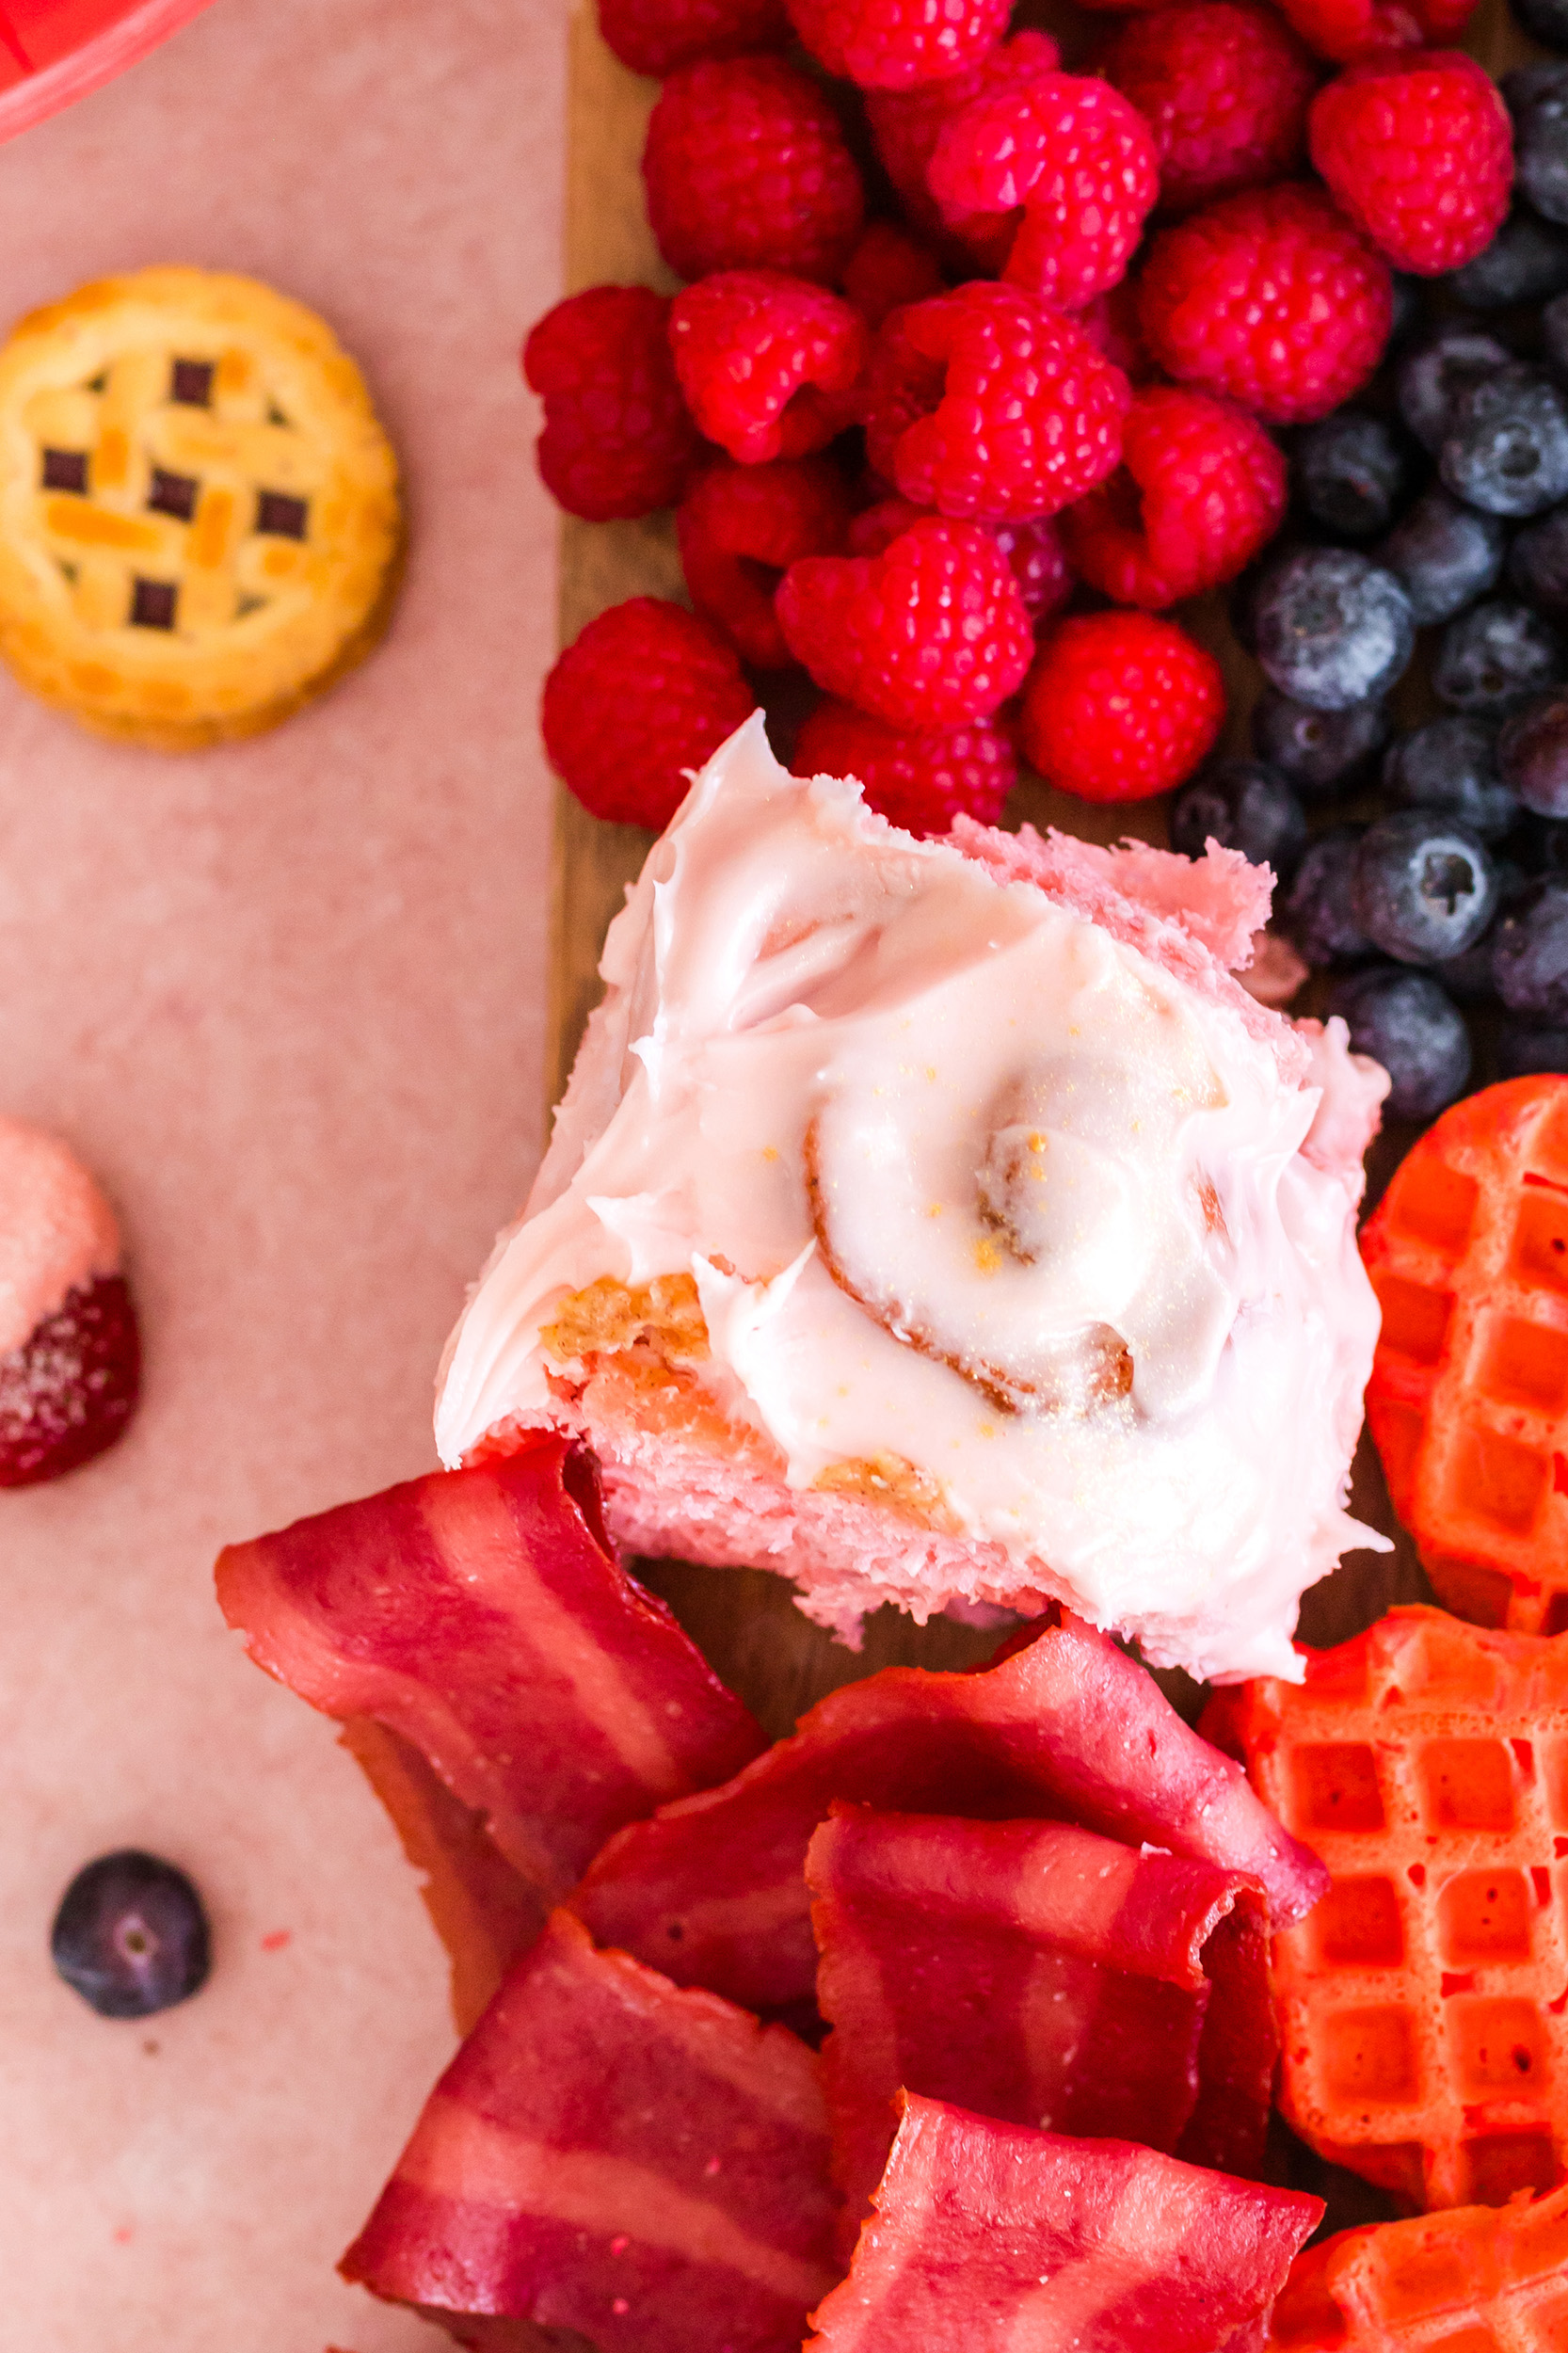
[{"x": 54, "y": 51}]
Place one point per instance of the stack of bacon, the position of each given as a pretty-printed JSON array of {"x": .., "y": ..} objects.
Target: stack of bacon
[{"x": 1038, "y": 1940}]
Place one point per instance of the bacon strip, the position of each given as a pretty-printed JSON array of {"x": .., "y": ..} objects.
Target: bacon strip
[
  {"x": 607, "y": 2155},
  {"x": 996, "y": 2239},
  {"x": 1042, "y": 1974},
  {"x": 713, "y": 1888},
  {"x": 482, "y": 1616}
]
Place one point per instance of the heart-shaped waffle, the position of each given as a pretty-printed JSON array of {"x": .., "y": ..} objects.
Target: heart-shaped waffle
[
  {"x": 199, "y": 522},
  {"x": 1468, "y": 1399},
  {"x": 1423, "y": 2004},
  {"x": 1473, "y": 2281}
]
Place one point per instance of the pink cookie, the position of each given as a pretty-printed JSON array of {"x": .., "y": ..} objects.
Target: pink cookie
[{"x": 70, "y": 1356}]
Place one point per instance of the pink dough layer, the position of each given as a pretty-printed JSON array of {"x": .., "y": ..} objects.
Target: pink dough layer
[{"x": 57, "y": 1233}]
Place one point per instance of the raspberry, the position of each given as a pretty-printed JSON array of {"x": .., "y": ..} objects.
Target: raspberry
[
  {"x": 746, "y": 168},
  {"x": 617, "y": 439},
  {"x": 1224, "y": 87},
  {"x": 647, "y": 691},
  {"x": 1419, "y": 151},
  {"x": 897, "y": 44},
  {"x": 1271, "y": 298},
  {"x": 887, "y": 268},
  {"x": 1119, "y": 706},
  {"x": 918, "y": 781},
  {"x": 741, "y": 527},
  {"x": 931, "y": 632},
  {"x": 1344, "y": 29},
  {"x": 1202, "y": 490},
  {"x": 1033, "y": 549},
  {"x": 766, "y": 361},
  {"x": 657, "y": 36},
  {"x": 985, "y": 404},
  {"x": 1076, "y": 156},
  {"x": 905, "y": 125}
]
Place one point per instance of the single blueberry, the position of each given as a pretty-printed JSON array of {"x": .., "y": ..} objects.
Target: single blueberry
[
  {"x": 1526, "y": 262},
  {"x": 1532, "y": 753},
  {"x": 1444, "y": 554},
  {"x": 1537, "y": 97},
  {"x": 1318, "y": 751},
  {"x": 1493, "y": 654},
  {"x": 1505, "y": 450},
  {"x": 1450, "y": 764},
  {"x": 1546, "y": 20},
  {"x": 1525, "y": 1051},
  {"x": 1538, "y": 562},
  {"x": 1244, "y": 806},
  {"x": 1353, "y": 473},
  {"x": 1333, "y": 627},
  {"x": 1529, "y": 958},
  {"x": 1434, "y": 376},
  {"x": 1406, "y": 1021},
  {"x": 130, "y": 1935},
  {"x": 1422, "y": 887},
  {"x": 1317, "y": 914}
]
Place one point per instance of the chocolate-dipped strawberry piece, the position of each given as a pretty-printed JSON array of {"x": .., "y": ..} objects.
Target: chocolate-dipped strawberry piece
[{"x": 69, "y": 1355}]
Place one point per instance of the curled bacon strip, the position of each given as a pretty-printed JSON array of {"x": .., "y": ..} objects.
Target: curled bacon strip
[
  {"x": 1046, "y": 1977},
  {"x": 483, "y": 1617},
  {"x": 609, "y": 2156},
  {"x": 994, "y": 2238},
  {"x": 713, "y": 1888}
]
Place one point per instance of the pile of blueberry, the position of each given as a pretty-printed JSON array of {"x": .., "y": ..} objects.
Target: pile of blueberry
[{"x": 1421, "y": 835}]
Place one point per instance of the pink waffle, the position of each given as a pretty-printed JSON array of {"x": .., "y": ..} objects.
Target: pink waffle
[
  {"x": 1421, "y": 2004},
  {"x": 1474, "y": 2281}
]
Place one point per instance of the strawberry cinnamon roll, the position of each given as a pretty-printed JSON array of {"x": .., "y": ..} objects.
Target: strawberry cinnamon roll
[{"x": 941, "y": 1223}]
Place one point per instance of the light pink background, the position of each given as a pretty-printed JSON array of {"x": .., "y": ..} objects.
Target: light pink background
[{"x": 287, "y": 999}]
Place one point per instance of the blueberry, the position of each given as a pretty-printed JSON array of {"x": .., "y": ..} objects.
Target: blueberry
[
  {"x": 1538, "y": 562},
  {"x": 1244, "y": 806},
  {"x": 1436, "y": 376},
  {"x": 1537, "y": 99},
  {"x": 1547, "y": 20},
  {"x": 1353, "y": 472},
  {"x": 1406, "y": 1022},
  {"x": 1493, "y": 654},
  {"x": 1532, "y": 753},
  {"x": 1333, "y": 627},
  {"x": 1467, "y": 977},
  {"x": 1554, "y": 333},
  {"x": 1422, "y": 887},
  {"x": 1318, "y": 751},
  {"x": 1526, "y": 262},
  {"x": 130, "y": 1935},
  {"x": 1450, "y": 764},
  {"x": 1444, "y": 555},
  {"x": 1525, "y": 1051},
  {"x": 1505, "y": 450},
  {"x": 1529, "y": 957},
  {"x": 1317, "y": 913}
]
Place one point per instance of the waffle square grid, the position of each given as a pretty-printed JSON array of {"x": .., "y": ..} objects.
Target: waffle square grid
[
  {"x": 1423, "y": 2004},
  {"x": 1468, "y": 1399}
]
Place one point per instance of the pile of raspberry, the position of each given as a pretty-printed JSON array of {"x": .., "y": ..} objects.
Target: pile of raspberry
[{"x": 983, "y": 364}]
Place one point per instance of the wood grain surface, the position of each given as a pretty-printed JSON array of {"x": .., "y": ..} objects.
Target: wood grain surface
[{"x": 745, "y": 1620}]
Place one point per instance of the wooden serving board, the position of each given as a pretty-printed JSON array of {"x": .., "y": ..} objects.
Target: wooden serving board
[{"x": 745, "y": 1620}]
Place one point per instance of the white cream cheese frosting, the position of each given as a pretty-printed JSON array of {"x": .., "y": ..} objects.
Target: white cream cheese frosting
[{"x": 966, "y": 1179}]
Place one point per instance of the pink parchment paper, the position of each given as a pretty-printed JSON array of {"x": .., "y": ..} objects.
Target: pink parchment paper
[{"x": 287, "y": 999}]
